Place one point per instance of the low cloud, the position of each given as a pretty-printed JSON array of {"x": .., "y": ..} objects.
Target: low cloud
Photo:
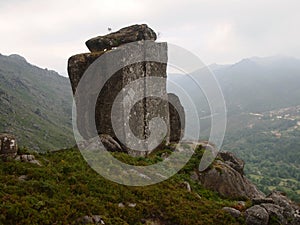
[{"x": 48, "y": 32}]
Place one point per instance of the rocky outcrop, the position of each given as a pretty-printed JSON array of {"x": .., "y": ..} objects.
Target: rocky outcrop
[
  {"x": 226, "y": 177},
  {"x": 265, "y": 213},
  {"x": 275, "y": 213},
  {"x": 290, "y": 211},
  {"x": 9, "y": 150},
  {"x": 257, "y": 215},
  {"x": 144, "y": 110},
  {"x": 277, "y": 207},
  {"x": 28, "y": 158},
  {"x": 8, "y": 146},
  {"x": 123, "y": 36},
  {"x": 230, "y": 159}
]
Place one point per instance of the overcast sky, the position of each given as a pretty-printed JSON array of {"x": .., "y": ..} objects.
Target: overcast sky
[{"x": 48, "y": 32}]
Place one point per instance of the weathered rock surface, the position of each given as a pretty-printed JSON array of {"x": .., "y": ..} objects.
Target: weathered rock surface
[
  {"x": 27, "y": 158},
  {"x": 232, "y": 211},
  {"x": 275, "y": 213},
  {"x": 125, "y": 35},
  {"x": 257, "y": 215},
  {"x": 233, "y": 161},
  {"x": 228, "y": 182},
  {"x": 177, "y": 118},
  {"x": 110, "y": 144},
  {"x": 8, "y": 146},
  {"x": 258, "y": 201},
  {"x": 277, "y": 207},
  {"x": 143, "y": 111},
  {"x": 78, "y": 64}
]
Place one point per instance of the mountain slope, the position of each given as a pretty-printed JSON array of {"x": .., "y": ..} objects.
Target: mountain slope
[
  {"x": 261, "y": 84},
  {"x": 35, "y": 105}
]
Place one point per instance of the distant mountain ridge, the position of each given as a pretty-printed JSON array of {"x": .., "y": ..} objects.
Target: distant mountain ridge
[
  {"x": 252, "y": 84},
  {"x": 36, "y": 105},
  {"x": 261, "y": 84}
]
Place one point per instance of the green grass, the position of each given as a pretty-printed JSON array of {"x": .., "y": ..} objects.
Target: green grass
[{"x": 65, "y": 188}]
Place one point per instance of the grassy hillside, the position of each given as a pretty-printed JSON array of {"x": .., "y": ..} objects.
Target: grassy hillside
[
  {"x": 65, "y": 188},
  {"x": 35, "y": 105}
]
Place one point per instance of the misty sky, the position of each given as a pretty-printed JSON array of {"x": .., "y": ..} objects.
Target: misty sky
[{"x": 48, "y": 32}]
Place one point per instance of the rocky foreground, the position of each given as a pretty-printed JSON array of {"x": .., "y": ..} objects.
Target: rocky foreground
[{"x": 226, "y": 176}]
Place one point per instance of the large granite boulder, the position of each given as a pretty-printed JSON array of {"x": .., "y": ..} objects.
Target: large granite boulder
[
  {"x": 8, "y": 146},
  {"x": 226, "y": 177},
  {"x": 257, "y": 215},
  {"x": 143, "y": 111},
  {"x": 125, "y": 35}
]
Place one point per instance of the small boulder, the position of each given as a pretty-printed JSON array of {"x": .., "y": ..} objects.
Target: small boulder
[
  {"x": 257, "y": 215},
  {"x": 132, "y": 205},
  {"x": 28, "y": 158},
  {"x": 121, "y": 205},
  {"x": 233, "y": 212},
  {"x": 241, "y": 204},
  {"x": 187, "y": 185},
  {"x": 125, "y": 35}
]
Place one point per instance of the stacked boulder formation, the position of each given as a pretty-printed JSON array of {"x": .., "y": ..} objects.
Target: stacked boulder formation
[
  {"x": 8, "y": 146},
  {"x": 145, "y": 109}
]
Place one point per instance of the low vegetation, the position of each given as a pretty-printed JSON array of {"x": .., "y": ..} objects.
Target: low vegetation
[{"x": 65, "y": 188}]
